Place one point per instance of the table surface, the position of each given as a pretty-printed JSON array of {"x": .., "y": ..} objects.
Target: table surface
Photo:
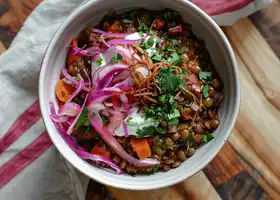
[{"x": 247, "y": 167}]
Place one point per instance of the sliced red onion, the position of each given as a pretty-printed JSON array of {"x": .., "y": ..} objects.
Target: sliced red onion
[
  {"x": 122, "y": 41},
  {"x": 106, "y": 74},
  {"x": 99, "y": 31},
  {"x": 108, "y": 104},
  {"x": 82, "y": 153},
  {"x": 121, "y": 76},
  {"x": 71, "y": 128},
  {"x": 101, "y": 95},
  {"x": 58, "y": 118},
  {"x": 124, "y": 101},
  {"x": 93, "y": 49},
  {"x": 117, "y": 148},
  {"x": 196, "y": 88},
  {"x": 104, "y": 41},
  {"x": 115, "y": 121},
  {"x": 120, "y": 35},
  {"x": 124, "y": 52},
  {"x": 80, "y": 52},
  {"x": 69, "y": 77},
  {"x": 125, "y": 84},
  {"x": 195, "y": 107},
  {"x": 125, "y": 129},
  {"x": 192, "y": 79},
  {"x": 77, "y": 91},
  {"x": 70, "y": 109}
]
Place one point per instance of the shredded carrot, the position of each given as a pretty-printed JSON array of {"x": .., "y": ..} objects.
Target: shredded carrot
[
  {"x": 100, "y": 151},
  {"x": 143, "y": 94},
  {"x": 177, "y": 95},
  {"x": 151, "y": 100},
  {"x": 63, "y": 91},
  {"x": 141, "y": 147}
]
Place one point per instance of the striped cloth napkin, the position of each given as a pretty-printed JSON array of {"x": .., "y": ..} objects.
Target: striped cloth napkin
[{"x": 30, "y": 167}]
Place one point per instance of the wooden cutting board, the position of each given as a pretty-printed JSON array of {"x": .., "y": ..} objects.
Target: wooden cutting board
[{"x": 247, "y": 166}]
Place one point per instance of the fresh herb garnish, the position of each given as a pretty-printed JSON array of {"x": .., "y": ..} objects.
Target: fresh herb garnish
[
  {"x": 174, "y": 114},
  {"x": 116, "y": 59},
  {"x": 99, "y": 61},
  {"x": 175, "y": 59},
  {"x": 160, "y": 130},
  {"x": 172, "y": 122},
  {"x": 155, "y": 168},
  {"x": 168, "y": 81},
  {"x": 141, "y": 34},
  {"x": 207, "y": 138},
  {"x": 145, "y": 132},
  {"x": 180, "y": 50},
  {"x": 205, "y": 76},
  {"x": 83, "y": 119},
  {"x": 205, "y": 91},
  {"x": 157, "y": 58},
  {"x": 147, "y": 44},
  {"x": 142, "y": 27}
]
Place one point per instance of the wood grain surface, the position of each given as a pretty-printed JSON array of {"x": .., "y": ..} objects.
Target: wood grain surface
[{"x": 247, "y": 166}]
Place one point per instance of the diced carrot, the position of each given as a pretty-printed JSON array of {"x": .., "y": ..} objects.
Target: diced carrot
[
  {"x": 141, "y": 147},
  {"x": 63, "y": 91},
  {"x": 100, "y": 151},
  {"x": 70, "y": 57},
  {"x": 114, "y": 28}
]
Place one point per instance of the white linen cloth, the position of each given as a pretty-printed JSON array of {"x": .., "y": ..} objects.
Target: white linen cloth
[{"x": 49, "y": 176}]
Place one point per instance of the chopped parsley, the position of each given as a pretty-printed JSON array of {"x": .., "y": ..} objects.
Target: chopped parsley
[
  {"x": 205, "y": 91},
  {"x": 180, "y": 50},
  {"x": 205, "y": 76},
  {"x": 147, "y": 44},
  {"x": 141, "y": 34},
  {"x": 175, "y": 59},
  {"x": 83, "y": 119},
  {"x": 116, "y": 59}
]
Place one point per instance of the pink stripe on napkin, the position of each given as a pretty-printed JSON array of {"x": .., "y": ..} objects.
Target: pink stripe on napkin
[
  {"x": 24, "y": 158},
  {"x": 30, "y": 116}
]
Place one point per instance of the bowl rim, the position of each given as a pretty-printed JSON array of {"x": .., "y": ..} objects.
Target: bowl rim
[{"x": 234, "y": 115}]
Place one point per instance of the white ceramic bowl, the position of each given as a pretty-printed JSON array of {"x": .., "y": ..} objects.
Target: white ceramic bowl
[{"x": 223, "y": 58}]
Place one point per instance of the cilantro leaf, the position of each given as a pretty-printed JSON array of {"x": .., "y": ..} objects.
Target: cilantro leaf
[
  {"x": 115, "y": 59},
  {"x": 170, "y": 49},
  {"x": 205, "y": 76},
  {"x": 207, "y": 138},
  {"x": 173, "y": 115},
  {"x": 175, "y": 59},
  {"x": 141, "y": 34},
  {"x": 145, "y": 132},
  {"x": 205, "y": 91},
  {"x": 83, "y": 119},
  {"x": 168, "y": 80},
  {"x": 157, "y": 58},
  {"x": 160, "y": 130},
  {"x": 172, "y": 122},
  {"x": 180, "y": 50}
]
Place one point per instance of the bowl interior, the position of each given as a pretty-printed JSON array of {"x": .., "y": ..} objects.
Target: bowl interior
[{"x": 222, "y": 57}]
